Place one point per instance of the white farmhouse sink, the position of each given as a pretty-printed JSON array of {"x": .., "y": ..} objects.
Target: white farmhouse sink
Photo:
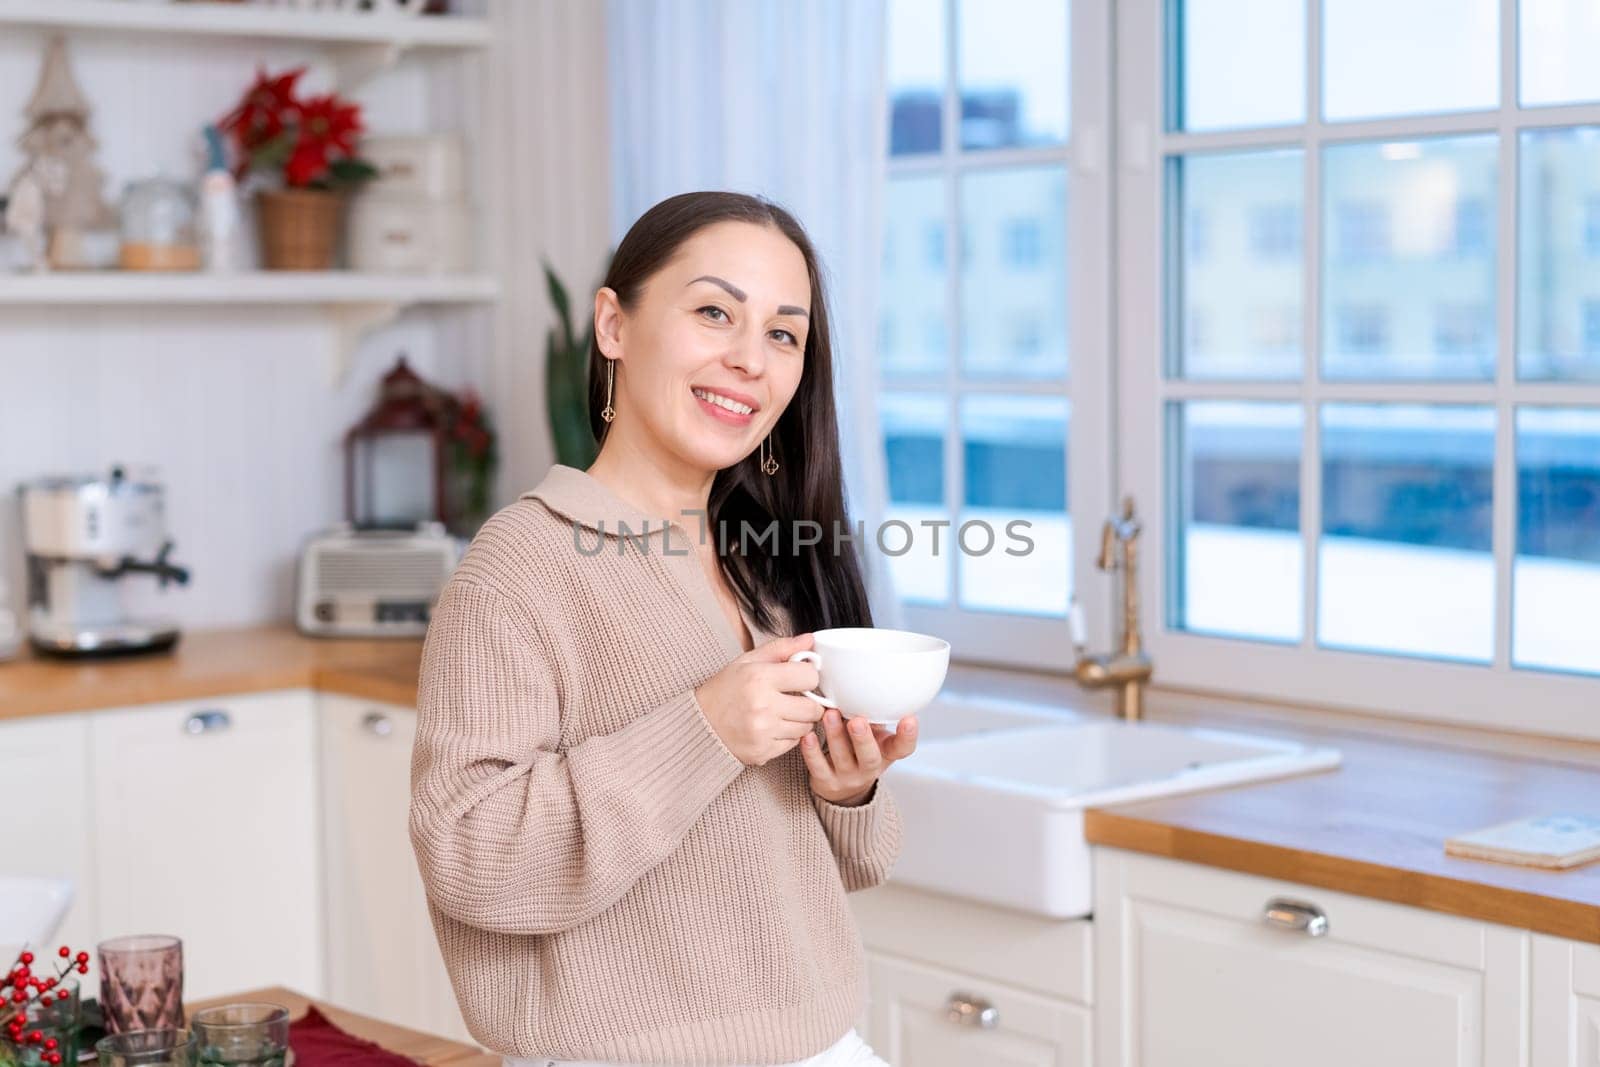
[
  {"x": 997, "y": 815},
  {"x": 957, "y": 714}
]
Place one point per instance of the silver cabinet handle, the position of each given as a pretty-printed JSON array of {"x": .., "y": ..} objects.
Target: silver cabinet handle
[
  {"x": 1296, "y": 915},
  {"x": 971, "y": 1010},
  {"x": 377, "y": 723},
  {"x": 210, "y": 721}
]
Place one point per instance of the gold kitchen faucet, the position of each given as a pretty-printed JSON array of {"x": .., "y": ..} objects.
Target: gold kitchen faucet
[{"x": 1129, "y": 668}]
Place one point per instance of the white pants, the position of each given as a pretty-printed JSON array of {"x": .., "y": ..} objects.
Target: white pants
[{"x": 849, "y": 1051}]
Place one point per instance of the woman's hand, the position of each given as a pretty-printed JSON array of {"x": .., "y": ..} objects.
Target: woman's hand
[
  {"x": 755, "y": 704},
  {"x": 845, "y": 775}
]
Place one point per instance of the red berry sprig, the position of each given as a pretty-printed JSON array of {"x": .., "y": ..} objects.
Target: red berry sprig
[{"x": 20, "y": 988}]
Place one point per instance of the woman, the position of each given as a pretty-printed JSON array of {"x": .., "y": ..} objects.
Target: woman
[{"x": 635, "y": 844}]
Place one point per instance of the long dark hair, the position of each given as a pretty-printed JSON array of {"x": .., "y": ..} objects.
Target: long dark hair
[{"x": 818, "y": 587}]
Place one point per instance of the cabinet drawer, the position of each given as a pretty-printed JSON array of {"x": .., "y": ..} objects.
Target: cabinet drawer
[
  {"x": 911, "y": 1006},
  {"x": 1050, "y": 956},
  {"x": 1192, "y": 971},
  {"x": 1356, "y": 921}
]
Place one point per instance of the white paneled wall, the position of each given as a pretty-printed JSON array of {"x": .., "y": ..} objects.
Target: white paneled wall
[
  {"x": 549, "y": 177},
  {"x": 235, "y": 407}
]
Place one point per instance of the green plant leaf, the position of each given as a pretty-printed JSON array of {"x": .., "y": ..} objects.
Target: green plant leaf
[
  {"x": 558, "y": 297},
  {"x": 274, "y": 153},
  {"x": 347, "y": 171},
  {"x": 567, "y": 381}
]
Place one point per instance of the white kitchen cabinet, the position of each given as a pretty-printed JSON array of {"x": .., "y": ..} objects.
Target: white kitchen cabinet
[
  {"x": 1053, "y": 957},
  {"x": 383, "y": 957},
  {"x": 1188, "y": 971},
  {"x": 1565, "y": 978},
  {"x": 915, "y": 1008},
  {"x": 205, "y": 826},
  {"x": 929, "y": 953},
  {"x": 45, "y": 761}
]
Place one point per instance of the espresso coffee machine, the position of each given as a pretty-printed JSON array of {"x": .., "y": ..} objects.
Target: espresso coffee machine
[{"x": 82, "y": 536}]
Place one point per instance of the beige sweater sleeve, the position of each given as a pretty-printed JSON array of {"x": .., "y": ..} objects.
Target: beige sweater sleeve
[
  {"x": 512, "y": 835},
  {"x": 865, "y": 839}
]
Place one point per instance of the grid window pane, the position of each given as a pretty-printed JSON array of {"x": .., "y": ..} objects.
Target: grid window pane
[
  {"x": 1558, "y": 40},
  {"x": 913, "y": 325},
  {"x": 1384, "y": 58},
  {"x": 1243, "y": 64},
  {"x": 914, "y": 427},
  {"x": 1234, "y": 470},
  {"x": 1408, "y": 259},
  {"x": 1239, "y": 265},
  {"x": 1012, "y": 64},
  {"x": 1405, "y": 564},
  {"x": 1014, "y": 455},
  {"x": 916, "y": 75},
  {"x": 1556, "y": 572},
  {"x": 1014, "y": 273},
  {"x": 1558, "y": 268}
]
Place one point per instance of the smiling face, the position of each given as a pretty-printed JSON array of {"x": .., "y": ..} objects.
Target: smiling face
[{"x": 712, "y": 353}]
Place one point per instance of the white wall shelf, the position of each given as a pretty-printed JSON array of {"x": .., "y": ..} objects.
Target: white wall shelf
[
  {"x": 359, "y": 45},
  {"x": 245, "y": 287},
  {"x": 252, "y": 21},
  {"x": 356, "y": 303}
]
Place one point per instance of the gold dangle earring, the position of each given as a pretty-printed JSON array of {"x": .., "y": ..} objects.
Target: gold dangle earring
[
  {"x": 769, "y": 464},
  {"x": 608, "y": 412}
]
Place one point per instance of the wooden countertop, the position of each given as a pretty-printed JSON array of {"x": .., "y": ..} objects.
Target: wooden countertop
[
  {"x": 207, "y": 663},
  {"x": 414, "y": 1044},
  {"x": 1375, "y": 826}
]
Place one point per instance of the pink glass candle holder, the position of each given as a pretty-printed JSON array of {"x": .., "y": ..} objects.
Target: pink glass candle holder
[{"x": 141, "y": 983}]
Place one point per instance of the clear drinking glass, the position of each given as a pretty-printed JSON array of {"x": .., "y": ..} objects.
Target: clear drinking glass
[
  {"x": 141, "y": 983},
  {"x": 246, "y": 1034},
  {"x": 165, "y": 1047}
]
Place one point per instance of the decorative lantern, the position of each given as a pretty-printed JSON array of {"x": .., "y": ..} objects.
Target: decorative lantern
[{"x": 395, "y": 458}]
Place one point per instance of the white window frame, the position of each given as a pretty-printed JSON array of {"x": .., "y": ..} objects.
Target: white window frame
[
  {"x": 1014, "y": 639},
  {"x": 1496, "y": 695}
]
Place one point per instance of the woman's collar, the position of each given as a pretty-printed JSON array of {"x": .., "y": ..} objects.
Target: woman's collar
[{"x": 583, "y": 498}]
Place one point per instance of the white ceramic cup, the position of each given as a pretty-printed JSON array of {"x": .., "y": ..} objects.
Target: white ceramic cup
[{"x": 879, "y": 675}]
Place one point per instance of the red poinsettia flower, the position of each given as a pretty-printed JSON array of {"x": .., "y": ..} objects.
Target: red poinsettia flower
[
  {"x": 331, "y": 122},
  {"x": 310, "y": 141},
  {"x": 306, "y": 163},
  {"x": 265, "y": 110}
]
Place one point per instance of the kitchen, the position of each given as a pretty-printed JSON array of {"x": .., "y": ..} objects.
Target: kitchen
[{"x": 1266, "y": 320}]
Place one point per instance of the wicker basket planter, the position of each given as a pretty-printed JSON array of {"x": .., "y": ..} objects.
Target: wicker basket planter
[{"x": 300, "y": 228}]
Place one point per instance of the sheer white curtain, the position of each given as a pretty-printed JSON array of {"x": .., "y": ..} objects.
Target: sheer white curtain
[{"x": 782, "y": 98}]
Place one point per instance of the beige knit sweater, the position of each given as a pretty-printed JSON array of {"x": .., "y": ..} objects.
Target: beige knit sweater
[{"x": 607, "y": 880}]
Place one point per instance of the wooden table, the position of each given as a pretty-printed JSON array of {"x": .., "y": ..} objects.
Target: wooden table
[{"x": 414, "y": 1044}]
